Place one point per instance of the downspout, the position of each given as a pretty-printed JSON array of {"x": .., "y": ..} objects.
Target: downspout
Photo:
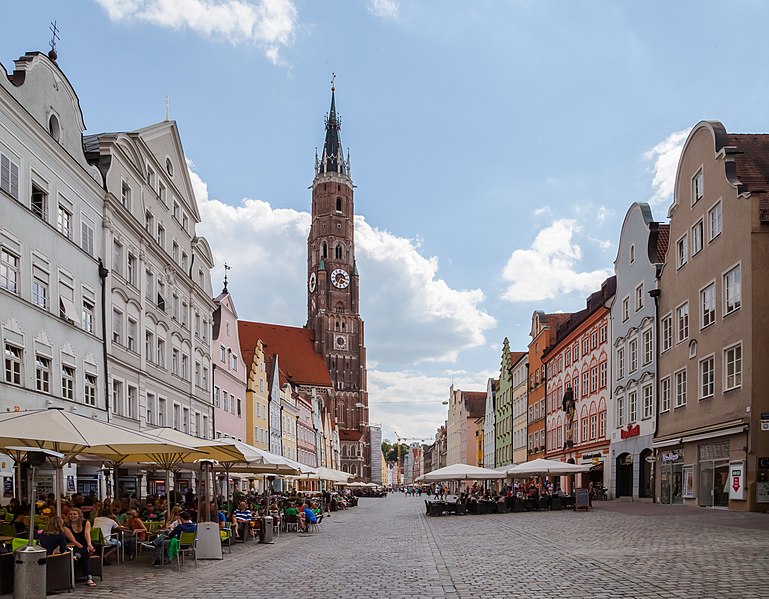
[
  {"x": 655, "y": 294},
  {"x": 103, "y": 272},
  {"x": 213, "y": 406}
]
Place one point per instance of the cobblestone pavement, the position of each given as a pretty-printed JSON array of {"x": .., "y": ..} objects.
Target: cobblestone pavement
[{"x": 388, "y": 548}]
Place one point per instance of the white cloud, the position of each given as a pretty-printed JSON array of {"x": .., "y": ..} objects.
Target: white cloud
[
  {"x": 604, "y": 244},
  {"x": 543, "y": 211},
  {"x": 602, "y": 214},
  {"x": 387, "y": 9},
  {"x": 268, "y": 23},
  {"x": 548, "y": 268},
  {"x": 411, "y": 315},
  {"x": 665, "y": 156}
]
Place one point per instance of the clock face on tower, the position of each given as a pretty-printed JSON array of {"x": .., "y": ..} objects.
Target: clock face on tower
[
  {"x": 340, "y": 278},
  {"x": 311, "y": 283}
]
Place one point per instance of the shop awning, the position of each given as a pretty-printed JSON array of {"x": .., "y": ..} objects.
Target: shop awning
[
  {"x": 666, "y": 443},
  {"x": 722, "y": 433}
]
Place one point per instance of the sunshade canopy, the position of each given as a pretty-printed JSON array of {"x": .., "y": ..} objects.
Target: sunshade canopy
[
  {"x": 542, "y": 467},
  {"x": 461, "y": 472}
]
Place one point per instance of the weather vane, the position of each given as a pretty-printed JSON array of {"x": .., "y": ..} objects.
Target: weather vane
[
  {"x": 226, "y": 268},
  {"x": 54, "y": 36},
  {"x": 333, "y": 78}
]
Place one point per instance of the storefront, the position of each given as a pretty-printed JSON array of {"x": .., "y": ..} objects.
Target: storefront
[
  {"x": 672, "y": 477},
  {"x": 713, "y": 475}
]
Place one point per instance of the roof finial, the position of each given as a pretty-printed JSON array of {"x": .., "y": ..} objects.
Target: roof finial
[
  {"x": 333, "y": 78},
  {"x": 226, "y": 268},
  {"x": 167, "y": 106},
  {"x": 54, "y": 36}
]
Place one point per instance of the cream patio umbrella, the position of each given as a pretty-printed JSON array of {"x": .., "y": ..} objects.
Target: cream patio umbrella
[
  {"x": 461, "y": 472},
  {"x": 543, "y": 467},
  {"x": 72, "y": 434}
]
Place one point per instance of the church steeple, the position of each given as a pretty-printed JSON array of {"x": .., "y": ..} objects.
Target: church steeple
[{"x": 333, "y": 160}]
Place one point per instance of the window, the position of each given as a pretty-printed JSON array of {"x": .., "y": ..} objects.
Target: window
[
  {"x": 151, "y": 177},
  {"x": 185, "y": 222},
  {"x": 177, "y": 416},
  {"x": 733, "y": 367},
  {"x": 9, "y": 271},
  {"x": 715, "y": 221},
  {"x": 625, "y": 309},
  {"x": 680, "y": 388},
  {"x": 39, "y": 287},
  {"x": 667, "y": 332},
  {"x": 205, "y": 377},
  {"x": 162, "y": 192},
  {"x": 223, "y": 354},
  {"x": 149, "y": 285},
  {"x": 586, "y": 382},
  {"x": 161, "y": 236},
  {"x": 161, "y": 303},
  {"x": 594, "y": 379},
  {"x": 13, "y": 357},
  {"x": 603, "y": 375},
  {"x": 632, "y": 254},
  {"x": 639, "y": 297},
  {"x": 585, "y": 346},
  {"x": 9, "y": 176},
  {"x": 86, "y": 236},
  {"x": 131, "y": 334},
  {"x": 161, "y": 361},
  {"x": 90, "y": 390},
  {"x": 184, "y": 262},
  {"x": 632, "y": 406},
  {"x": 708, "y": 305},
  {"x": 682, "y": 322},
  {"x": 185, "y": 367},
  {"x": 64, "y": 221},
  {"x": 227, "y": 328},
  {"x": 602, "y": 424},
  {"x": 131, "y": 274},
  {"x": 633, "y": 348},
  {"x": 216, "y": 398},
  {"x": 185, "y": 312},
  {"x": 234, "y": 362},
  {"x": 175, "y": 361},
  {"x": 149, "y": 222},
  {"x": 175, "y": 252},
  {"x": 646, "y": 393},
  {"x": 620, "y": 412},
  {"x": 620, "y": 362},
  {"x": 88, "y": 315},
  {"x": 732, "y": 290},
  {"x": 198, "y": 374},
  {"x": 43, "y": 374},
  {"x": 648, "y": 347},
  {"x": 697, "y": 187},
  {"x": 698, "y": 237},
  {"x": 68, "y": 382},
  {"x": 175, "y": 307},
  {"x": 682, "y": 252},
  {"x": 162, "y": 411},
  {"x": 149, "y": 345},
  {"x": 593, "y": 343},
  {"x": 39, "y": 203},
  {"x": 150, "y": 408},
  {"x": 132, "y": 403},
  {"x": 176, "y": 211},
  {"x": 665, "y": 394},
  {"x": 707, "y": 377},
  {"x": 125, "y": 195},
  {"x": 117, "y": 258},
  {"x": 117, "y": 326}
]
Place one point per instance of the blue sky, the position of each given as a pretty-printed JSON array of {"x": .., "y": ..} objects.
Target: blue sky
[{"x": 496, "y": 147}]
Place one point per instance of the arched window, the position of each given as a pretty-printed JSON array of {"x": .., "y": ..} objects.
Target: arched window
[
  {"x": 344, "y": 327},
  {"x": 324, "y": 250},
  {"x": 339, "y": 204},
  {"x": 354, "y": 470},
  {"x": 53, "y": 127},
  {"x": 338, "y": 251},
  {"x": 339, "y": 308}
]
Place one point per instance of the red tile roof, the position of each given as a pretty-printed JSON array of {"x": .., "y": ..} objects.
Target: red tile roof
[
  {"x": 663, "y": 240},
  {"x": 557, "y": 319},
  {"x": 294, "y": 346},
  {"x": 752, "y": 159},
  {"x": 475, "y": 403},
  {"x": 346, "y": 434},
  {"x": 517, "y": 355}
]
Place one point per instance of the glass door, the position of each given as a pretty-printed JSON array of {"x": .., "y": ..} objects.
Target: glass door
[
  {"x": 705, "y": 495},
  {"x": 721, "y": 484}
]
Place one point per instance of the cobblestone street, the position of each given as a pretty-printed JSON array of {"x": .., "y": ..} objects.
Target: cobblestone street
[{"x": 388, "y": 548}]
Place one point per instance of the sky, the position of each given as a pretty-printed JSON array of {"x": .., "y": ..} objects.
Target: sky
[{"x": 496, "y": 147}]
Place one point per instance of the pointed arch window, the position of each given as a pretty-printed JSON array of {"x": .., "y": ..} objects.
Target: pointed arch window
[
  {"x": 324, "y": 250},
  {"x": 339, "y": 204},
  {"x": 338, "y": 251}
]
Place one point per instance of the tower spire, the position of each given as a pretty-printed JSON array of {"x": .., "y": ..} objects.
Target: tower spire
[{"x": 332, "y": 146}]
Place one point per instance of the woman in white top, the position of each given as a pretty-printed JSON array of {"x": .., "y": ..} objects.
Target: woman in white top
[{"x": 107, "y": 522}]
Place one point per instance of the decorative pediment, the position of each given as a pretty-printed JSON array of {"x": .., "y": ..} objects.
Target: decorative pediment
[{"x": 42, "y": 339}]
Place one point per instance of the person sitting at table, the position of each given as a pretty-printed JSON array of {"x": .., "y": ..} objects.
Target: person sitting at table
[
  {"x": 53, "y": 539},
  {"x": 241, "y": 520},
  {"x": 108, "y": 524},
  {"x": 309, "y": 517},
  {"x": 78, "y": 532},
  {"x": 172, "y": 520},
  {"x": 185, "y": 525},
  {"x": 150, "y": 513},
  {"x": 138, "y": 532}
]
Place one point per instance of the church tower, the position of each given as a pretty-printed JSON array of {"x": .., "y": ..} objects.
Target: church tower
[{"x": 333, "y": 311}]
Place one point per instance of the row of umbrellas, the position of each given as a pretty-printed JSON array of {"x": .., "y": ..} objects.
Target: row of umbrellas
[
  {"x": 538, "y": 467},
  {"x": 65, "y": 435}
]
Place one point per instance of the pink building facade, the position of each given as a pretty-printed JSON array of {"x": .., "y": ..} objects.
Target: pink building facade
[{"x": 229, "y": 371}]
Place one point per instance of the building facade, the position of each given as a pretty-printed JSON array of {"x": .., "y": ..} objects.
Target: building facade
[
  {"x": 464, "y": 408},
  {"x": 489, "y": 429},
  {"x": 713, "y": 389},
  {"x": 577, "y": 385},
  {"x": 640, "y": 256},
  {"x": 520, "y": 407},
  {"x": 333, "y": 311},
  {"x": 231, "y": 407}
]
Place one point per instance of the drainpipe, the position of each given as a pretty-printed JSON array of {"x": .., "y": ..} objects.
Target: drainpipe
[
  {"x": 103, "y": 272},
  {"x": 655, "y": 294}
]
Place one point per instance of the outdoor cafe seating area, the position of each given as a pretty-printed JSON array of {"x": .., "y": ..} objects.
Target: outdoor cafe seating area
[{"x": 504, "y": 504}]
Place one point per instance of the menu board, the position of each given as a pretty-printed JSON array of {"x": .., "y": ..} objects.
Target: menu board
[{"x": 581, "y": 499}]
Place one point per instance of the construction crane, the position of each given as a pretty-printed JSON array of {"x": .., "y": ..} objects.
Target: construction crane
[{"x": 398, "y": 445}]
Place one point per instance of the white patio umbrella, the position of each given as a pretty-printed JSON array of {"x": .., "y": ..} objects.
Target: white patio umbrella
[
  {"x": 461, "y": 472},
  {"x": 543, "y": 467},
  {"x": 72, "y": 434},
  {"x": 328, "y": 474}
]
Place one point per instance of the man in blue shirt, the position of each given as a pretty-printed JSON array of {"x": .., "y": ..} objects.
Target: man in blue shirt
[
  {"x": 186, "y": 525},
  {"x": 309, "y": 516},
  {"x": 241, "y": 518}
]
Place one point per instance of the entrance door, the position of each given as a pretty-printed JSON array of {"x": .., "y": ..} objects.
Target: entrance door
[
  {"x": 625, "y": 475},
  {"x": 645, "y": 474}
]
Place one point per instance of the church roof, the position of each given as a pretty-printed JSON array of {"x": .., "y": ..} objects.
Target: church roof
[
  {"x": 298, "y": 360},
  {"x": 346, "y": 434}
]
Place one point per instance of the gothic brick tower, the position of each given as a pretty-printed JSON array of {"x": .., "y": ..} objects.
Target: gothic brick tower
[{"x": 333, "y": 295}]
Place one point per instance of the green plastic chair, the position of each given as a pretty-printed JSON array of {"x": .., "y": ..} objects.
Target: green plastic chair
[
  {"x": 7, "y": 530},
  {"x": 188, "y": 543}
]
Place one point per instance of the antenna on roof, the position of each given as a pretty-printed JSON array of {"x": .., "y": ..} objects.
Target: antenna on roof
[
  {"x": 54, "y": 36},
  {"x": 226, "y": 268}
]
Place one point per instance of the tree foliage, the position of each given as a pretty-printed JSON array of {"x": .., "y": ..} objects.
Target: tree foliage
[{"x": 390, "y": 451}]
